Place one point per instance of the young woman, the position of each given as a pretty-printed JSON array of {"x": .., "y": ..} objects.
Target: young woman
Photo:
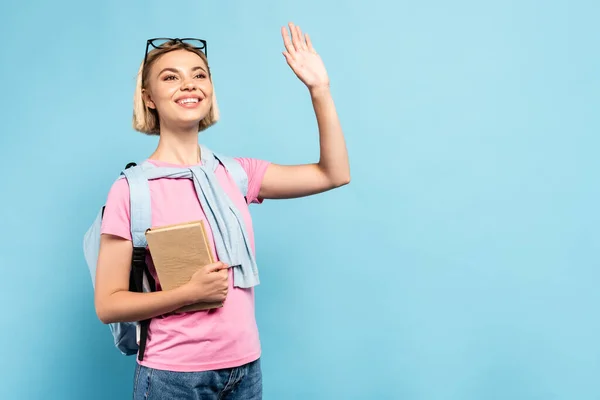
[{"x": 205, "y": 354}]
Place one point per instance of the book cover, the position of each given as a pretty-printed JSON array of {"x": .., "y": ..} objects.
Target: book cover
[{"x": 178, "y": 251}]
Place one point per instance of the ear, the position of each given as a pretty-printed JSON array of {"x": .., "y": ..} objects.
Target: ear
[{"x": 147, "y": 99}]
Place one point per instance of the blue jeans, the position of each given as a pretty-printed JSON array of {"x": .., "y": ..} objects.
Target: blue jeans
[{"x": 243, "y": 383}]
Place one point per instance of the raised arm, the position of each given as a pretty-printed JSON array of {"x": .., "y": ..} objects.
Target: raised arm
[{"x": 333, "y": 169}]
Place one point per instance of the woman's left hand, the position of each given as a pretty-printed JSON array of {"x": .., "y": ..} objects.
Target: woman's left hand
[{"x": 303, "y": 59}]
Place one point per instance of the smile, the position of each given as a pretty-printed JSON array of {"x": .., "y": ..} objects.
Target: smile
[{"x": 189, "y": 102}]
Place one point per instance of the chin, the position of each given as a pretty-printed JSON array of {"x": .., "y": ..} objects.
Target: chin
[
  {"x": 189, "y": 122},
  {"x": 190, "y": 118},
  {"x": 191, "y": 115}
]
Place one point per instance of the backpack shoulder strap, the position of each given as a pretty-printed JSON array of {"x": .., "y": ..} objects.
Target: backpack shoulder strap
[
  {"x": 139, "y": 203},
  {"x": 141, "y": 220},
  {"x": 235, "y": 170}
]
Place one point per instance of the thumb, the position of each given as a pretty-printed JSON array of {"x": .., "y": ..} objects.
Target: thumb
[{"x": 215, "y": 267}]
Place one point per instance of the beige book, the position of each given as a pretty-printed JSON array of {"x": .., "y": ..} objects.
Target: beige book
[{"x": 178, "y": 251}]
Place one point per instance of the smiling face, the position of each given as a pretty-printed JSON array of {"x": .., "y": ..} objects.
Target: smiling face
[{"x": 179, "y": 88}]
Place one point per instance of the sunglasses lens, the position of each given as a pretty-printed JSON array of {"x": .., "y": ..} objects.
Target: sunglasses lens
[
  {"x": 158, "y": 43},
  {"x": 198, "y": 44}
]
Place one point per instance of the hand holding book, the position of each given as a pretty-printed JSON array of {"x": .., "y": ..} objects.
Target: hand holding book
[
  {"x": 183, "y": 259},
  {"x": 209, "y": 284}
]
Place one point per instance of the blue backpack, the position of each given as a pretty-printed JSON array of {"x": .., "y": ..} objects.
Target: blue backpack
[{"x": 130, "y": 337}]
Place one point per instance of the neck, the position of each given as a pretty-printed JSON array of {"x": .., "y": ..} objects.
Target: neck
[{"x": 177, "y": 146}]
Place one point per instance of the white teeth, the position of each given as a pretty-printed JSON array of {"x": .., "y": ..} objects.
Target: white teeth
[{"x": 190, "y": 100}]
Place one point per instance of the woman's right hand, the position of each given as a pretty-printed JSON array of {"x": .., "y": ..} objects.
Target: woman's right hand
[{"x": 209, "y": 284}]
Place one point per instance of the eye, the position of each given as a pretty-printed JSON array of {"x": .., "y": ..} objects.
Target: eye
[
  {"x": 169, "y": 77},
  {"x": 200, "y": 75}
]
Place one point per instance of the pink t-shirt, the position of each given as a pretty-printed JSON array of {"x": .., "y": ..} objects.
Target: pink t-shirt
[{"x": 204, "y": 340}]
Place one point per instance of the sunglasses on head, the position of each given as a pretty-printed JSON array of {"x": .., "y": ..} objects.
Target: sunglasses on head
[{"x": 159, "y": 43}]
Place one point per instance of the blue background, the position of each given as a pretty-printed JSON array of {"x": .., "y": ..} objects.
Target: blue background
[{"x": 460, "y": 263}]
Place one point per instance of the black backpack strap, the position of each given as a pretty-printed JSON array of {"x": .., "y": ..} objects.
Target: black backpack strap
[{"x": 136, "y": 284}]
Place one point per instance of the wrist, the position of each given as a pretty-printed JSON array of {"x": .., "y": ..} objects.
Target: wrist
[
  {"x": 184, "y": 294},
  {"x": 320, "y": 91}
]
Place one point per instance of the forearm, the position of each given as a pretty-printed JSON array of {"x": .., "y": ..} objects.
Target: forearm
[
  {"x": 333, "y": 159},
  {"x": 126, "y": 306}
]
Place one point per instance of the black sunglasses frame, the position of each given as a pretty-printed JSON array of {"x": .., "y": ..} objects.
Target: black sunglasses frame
[{"x": 150, "y": 42}]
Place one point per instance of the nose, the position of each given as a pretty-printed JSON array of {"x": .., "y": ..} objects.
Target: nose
[{"x": 188, "y": 84}]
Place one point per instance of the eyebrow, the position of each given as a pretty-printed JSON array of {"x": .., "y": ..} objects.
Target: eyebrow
[{"x": 177, "y": 71}]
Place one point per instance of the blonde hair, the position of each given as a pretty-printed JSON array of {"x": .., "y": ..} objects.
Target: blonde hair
[{"x": 145, "y": 119}]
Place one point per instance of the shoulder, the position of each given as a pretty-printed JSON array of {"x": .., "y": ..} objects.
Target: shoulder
[
  {"x": 119, "y": 189},
  {"x": 116, "y": 218}
]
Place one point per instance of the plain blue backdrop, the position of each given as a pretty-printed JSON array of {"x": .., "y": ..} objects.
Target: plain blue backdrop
[{"x": 461, "y": 262}]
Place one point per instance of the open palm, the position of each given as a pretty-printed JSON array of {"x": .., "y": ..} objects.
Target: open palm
[{"x": 303, "y": 59}]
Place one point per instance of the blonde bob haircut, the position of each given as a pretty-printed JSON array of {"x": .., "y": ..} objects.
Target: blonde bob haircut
[{"x": 145, "y": 119}]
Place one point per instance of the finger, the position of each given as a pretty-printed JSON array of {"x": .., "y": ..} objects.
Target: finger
[
  {"x": 300, "y": 38},
  {"x": 286, "y": 40},
  {"x": 223, "y": 276},
  {"x": 309, "y": 44},
  {"x": 288, "y": 58},
  {"x": 295, "y": 38},
  {"x": 216, "y": 267}
]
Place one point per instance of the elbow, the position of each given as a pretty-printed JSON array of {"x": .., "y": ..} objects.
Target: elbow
[
  {"x": 104, "y": 315},
  {"x": 346, "y": 180},
  {"x": 341, "y": 180},
  {"x": 335, "y": 177}
]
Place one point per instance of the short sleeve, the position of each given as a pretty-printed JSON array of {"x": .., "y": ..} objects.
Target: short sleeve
[
  {"x": 116, "y": 219},
  {"x": 255, "y": 169}
]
